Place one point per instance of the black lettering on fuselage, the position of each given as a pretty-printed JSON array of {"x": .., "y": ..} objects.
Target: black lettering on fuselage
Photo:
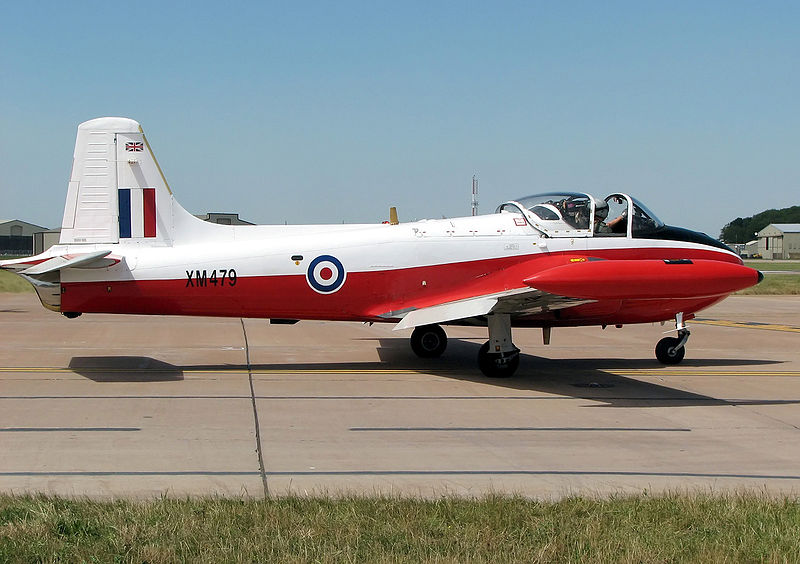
[{"x": 219, "y": 277}]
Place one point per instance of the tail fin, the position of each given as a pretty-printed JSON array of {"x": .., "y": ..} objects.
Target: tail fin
[
  {"x": 117, "y": 191},
  {"x": 117, "y": 194}
]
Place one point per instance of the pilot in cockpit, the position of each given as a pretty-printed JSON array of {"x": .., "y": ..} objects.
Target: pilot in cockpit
[
  {"x": 575, "y": 212},
  {"x": 619, "y": 224},
  {"x": 600, "y": 215}
]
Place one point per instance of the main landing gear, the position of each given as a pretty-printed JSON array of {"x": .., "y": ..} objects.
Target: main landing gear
[
  {"x": 428, "y": 341},
  {"x": 497, "y": 357},
  {"x": 671, "y": 350}
]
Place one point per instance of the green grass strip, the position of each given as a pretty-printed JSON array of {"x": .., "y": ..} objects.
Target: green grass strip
[
  {"x": 670, "y": 528},
  {"x": 774, "y": 285},
  {"x": 773, "y": 264},
  {"x": 10, "y": 282}
]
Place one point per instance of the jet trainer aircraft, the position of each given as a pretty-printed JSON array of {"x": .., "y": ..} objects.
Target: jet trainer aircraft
[{"x": 549, "y": 260}]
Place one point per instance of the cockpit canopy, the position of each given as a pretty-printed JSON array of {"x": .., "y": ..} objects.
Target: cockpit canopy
[{"x": 576, "y": 214}]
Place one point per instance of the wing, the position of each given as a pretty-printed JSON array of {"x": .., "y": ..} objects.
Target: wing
[{"x": 517, "y": 301}]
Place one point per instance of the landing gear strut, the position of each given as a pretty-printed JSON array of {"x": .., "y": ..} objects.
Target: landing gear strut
[
  {"x": 498, "y": 357},
  {"x": 428, "y": 341},
  {"x": 671, "y": 350}
]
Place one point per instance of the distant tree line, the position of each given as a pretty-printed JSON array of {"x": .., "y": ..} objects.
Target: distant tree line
[{"x": 742, "y": 230}]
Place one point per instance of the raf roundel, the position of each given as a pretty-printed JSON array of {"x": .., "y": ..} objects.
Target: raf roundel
[{"x": 326, "y": 274}]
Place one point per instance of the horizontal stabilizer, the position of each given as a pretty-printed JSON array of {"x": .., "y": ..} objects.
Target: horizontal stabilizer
[
  {"x": 37, "y": 266},
  {"x": 644, "y": 279},
  {"x": 43, "y": 271},
  {"x": 80, "y": 260}
]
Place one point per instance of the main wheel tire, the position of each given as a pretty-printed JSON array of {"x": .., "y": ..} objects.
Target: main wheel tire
[
  {"x": 667, "y": 353},
  {"x": 428, "y": 341},
  {"x": 497, "y": 365}
]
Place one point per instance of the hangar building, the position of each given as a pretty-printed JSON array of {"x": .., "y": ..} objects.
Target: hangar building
[
  {"x": 43, "y": 240},
  {"x": 779, "y": 241},
  {"x": 16, "y": 237}
]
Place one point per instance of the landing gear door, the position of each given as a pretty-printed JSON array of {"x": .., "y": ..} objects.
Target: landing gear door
[{"x": 620, "y": 208}]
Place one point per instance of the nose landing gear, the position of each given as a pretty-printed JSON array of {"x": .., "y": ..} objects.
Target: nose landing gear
[{"x": 671, "y": 350}]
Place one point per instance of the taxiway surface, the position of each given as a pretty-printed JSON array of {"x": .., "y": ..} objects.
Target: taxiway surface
[{"x": 140, "y": 406}]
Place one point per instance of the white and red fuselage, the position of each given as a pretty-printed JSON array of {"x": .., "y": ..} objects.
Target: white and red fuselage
[
  {"x": 374, "y": 270},
  {"x": 128, "y": 247}
]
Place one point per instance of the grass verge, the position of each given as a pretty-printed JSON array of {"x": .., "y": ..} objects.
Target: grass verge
[
  {"x": 773, "y": 264},
  {"x": 10, "y": 282},
  {"x": 670, "y": 528},
  {"x": 774, "y": 284}
]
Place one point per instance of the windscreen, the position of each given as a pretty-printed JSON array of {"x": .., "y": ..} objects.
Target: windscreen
[{"x": 644, "y": 221}]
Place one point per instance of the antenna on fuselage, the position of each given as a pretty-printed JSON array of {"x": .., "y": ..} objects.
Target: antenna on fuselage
[{"x": 474, "y": 195}]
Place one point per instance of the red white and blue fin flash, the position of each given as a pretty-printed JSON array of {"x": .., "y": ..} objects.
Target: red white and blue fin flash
[{"x": 137, "y": 212}]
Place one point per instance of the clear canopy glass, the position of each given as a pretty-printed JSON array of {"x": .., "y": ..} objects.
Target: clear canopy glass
[
  {"x": 562, "y": 212},
  {"x": 644, "y": 221}
]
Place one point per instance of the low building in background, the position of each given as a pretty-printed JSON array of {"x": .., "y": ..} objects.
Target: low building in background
[
  {"x": 750, "y": 249},
  {"x": 43, "y": 240},
  {"x": 16, "y": 237},
  {"x": 779, "y": 241},
  {"x": 745, "y": 250}
]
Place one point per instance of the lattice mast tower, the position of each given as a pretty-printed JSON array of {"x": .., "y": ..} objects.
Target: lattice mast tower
[{"x": 474, "y": 195}]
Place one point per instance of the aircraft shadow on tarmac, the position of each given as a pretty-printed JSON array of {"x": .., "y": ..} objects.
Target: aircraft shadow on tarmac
[
  {"x": 125, "y": 369},
  {"x": 579, "y": 378}
]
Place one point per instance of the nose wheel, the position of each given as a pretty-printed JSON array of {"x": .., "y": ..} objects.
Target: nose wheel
[
  {"x": 671, "y": 350},
  {"x": 668, "y": 351}
]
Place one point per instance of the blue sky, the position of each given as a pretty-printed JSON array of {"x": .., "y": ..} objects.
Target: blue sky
[{"x": 331, "y": 112}]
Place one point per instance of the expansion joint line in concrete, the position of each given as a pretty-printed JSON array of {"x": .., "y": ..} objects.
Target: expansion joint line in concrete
[{"x": 259, "y": 450}]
